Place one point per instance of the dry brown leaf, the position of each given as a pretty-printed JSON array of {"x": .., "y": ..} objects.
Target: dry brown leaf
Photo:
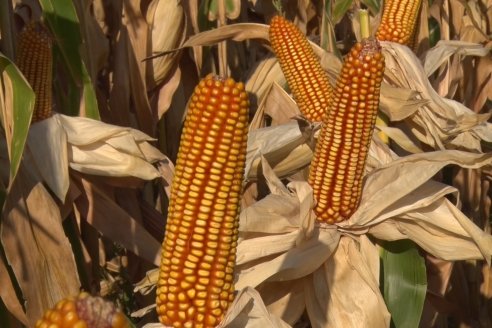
[
  {"x": 135, "y": 25},
  {"x": 96, "y": 46},
  {"x": 120, "y": 91},
  {"x": 166, "y": 92},
  {"x": 36, "y": 247},
  {"x": 114, "y": 223},
  {"x": 8, "y": 295},
  {"x": 236, "y": 32},
  {"x": 482, "y": 83}
]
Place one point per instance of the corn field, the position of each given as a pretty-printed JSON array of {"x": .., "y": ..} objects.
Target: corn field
[{"x": 245, "y": 163}]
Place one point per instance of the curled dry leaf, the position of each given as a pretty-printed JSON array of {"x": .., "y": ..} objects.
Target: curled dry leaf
[
  {"x": 440, "y": 54},
  {"x": 441, "y": 123},
  {"x": 167, "y": 23},
  {"x": 92, "y": 147}
]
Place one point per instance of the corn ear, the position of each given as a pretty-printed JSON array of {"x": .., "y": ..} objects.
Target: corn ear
[
  {"x": 195, "y": 286},
  {"x": 35, "y": 60},
  {"x": 398, "y": 21},
  {"x": 306, "y": 78},
  {"x": 338, "y": 164},
  {"x": 83, "y": 311}
]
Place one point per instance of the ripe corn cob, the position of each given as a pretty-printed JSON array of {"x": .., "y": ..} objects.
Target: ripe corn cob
[
  {"x": 398, "y": 21},
  {"x": 195, "y": 285},
  {"x": 307, "y": 80},
  {"x": 83, "y": 311},
  {"x": 35, "y": 60},
  {"x": 338, "y": 164}
]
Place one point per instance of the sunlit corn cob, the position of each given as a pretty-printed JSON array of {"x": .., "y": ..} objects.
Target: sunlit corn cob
[
  {"x": 83, "y": 311},
  {"x": 398, "y": 21},
  {"x": 338, "y": 164},
  {"x": 35, "y": 60},
  {"x": 195, "y": 286},
  {"x": 307, "y": 80}
]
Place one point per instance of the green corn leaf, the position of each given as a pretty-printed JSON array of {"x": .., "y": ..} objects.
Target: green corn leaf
[
  {"x": 340, "y": 8},
  {"x": 404, "y": 282},
  {"x": 373, "y": 5},
  {"x": 62, "y": 18},
  {"x": 18, "y": 101}
]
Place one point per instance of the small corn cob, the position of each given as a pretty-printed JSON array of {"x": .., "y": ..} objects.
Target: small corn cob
[
  {"x": 398, "y": 21},
  {"x": 338, "y": 164},
  {"x": 35, "y": 60},
  {"x": 307, "y": 80},
  {"x": 83, "y": 311},
  {"x": 195, "y": 285}
]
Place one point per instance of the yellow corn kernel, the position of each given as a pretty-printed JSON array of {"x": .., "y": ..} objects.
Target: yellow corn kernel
[
  {"x": 83, "y": 311},
  {"x": 307, "y": 80},
  {"x": 338, "y": 164},
  {"x": 34, "y": 58},
  {"x": 398, "y": 21},
  {"x": 202, "y": 224}
]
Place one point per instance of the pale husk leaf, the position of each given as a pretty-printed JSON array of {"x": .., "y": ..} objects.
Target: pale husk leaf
[
  {"x": 284, "y": 146},
  {"x": 401, "y": 138},
  {"x": 248, "y": 311},
  {"x": 167, "y": 25},
  {"x": 47, "y": 147},
  {"x": 263, "y": 75},
  {"x": 277, "y": 105},
  {"x": 344, "y": 291},
  {"x": 98, "y": 148}
]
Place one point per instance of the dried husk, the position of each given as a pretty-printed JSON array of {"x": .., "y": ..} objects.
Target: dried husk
[
  {"x": 279, "y": 240},
  {"x": 286, "y": 147},
  {"x": 440, "y": 123},
  {"x": 91, "y": 147}
]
